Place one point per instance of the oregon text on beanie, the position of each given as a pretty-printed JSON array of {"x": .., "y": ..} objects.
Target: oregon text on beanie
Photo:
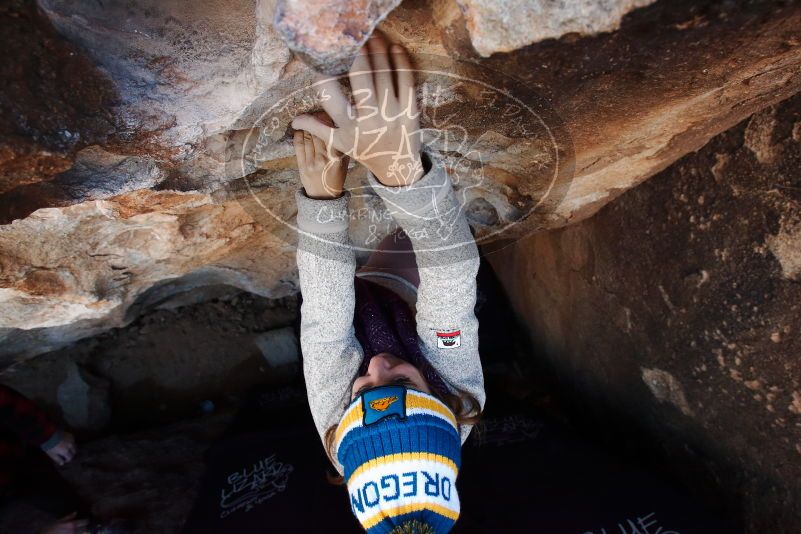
[{"x": 401, "y": 451}]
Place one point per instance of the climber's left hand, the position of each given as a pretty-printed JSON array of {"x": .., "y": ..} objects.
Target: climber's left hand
[{"x": 322, "y": 168}]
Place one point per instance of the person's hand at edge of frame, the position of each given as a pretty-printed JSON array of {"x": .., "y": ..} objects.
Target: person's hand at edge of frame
[{"x": 63, "y": 452}]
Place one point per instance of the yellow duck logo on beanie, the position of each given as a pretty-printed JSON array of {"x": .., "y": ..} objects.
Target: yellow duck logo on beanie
[{"x": 383, "y": 403}]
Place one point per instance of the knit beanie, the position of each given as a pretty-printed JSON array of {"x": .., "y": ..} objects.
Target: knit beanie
[{"x": 400, "y": 451}]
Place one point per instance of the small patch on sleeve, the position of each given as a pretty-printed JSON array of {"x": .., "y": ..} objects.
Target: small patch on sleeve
[{"x": 449, "y": 340}]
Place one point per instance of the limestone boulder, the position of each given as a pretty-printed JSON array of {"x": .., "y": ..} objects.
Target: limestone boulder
[
  {"x": 54, "y": 100},
  {"x": 192, "y": 184},
  {"x": 73, "y": 395},
  {"x": 280, "y": 347},
  {"x": 145, "y": 481},
  {"x": 678, "y": 307},
  {"x": 506, "y": 26},
  {"x": 329, "y": 34},
  {"x": 77, "y": 271},
  {"x": 184, "y": 69}
]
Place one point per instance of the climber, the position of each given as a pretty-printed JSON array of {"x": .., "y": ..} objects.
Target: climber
[{"x": 393, "y": 394}]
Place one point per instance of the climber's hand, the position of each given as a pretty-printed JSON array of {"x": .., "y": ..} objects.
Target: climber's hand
[
  {"x": 322, "y": 168},
  {"x": 64, "y": 451},
  {"x": 381, "y": 129}
]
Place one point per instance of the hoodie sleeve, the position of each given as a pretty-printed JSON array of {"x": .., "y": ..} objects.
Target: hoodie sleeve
[
  {"x": 326, "y": 267},
  {"x": 447, "y": 260}
]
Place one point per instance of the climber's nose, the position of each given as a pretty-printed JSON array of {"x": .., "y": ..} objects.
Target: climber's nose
[{"x": 380, "y": 366}]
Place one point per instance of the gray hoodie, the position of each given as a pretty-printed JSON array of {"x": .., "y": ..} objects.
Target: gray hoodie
[{"x": 447, "y": 260}]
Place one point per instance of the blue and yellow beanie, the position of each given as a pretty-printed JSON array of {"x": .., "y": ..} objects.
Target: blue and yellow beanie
[{"x": 401, "y": 451}]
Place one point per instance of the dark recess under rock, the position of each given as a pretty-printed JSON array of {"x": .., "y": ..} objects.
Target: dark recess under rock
[{"x": 678, "y": 307}]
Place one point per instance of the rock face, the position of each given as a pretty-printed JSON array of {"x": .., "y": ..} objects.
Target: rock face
[
  {"x": 182, "y": 69},
  {"x": 54, "y": 101},
  {"x": 679, "y": 306},
  {"x": 76, "y": 271},
  {"x": 506, "y": 26},
  {"x": 194, "y": 184},
  {"x": 72, "y": 393},
  {"x": 177, "y": 358},
  {"x": 148, "y": 478},
  {"x": 145, "y": 152},
  {"x": 329, "y": 34}
]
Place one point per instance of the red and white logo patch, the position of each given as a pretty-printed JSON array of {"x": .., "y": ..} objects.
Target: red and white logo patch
[{"x": 449, "y": 340}]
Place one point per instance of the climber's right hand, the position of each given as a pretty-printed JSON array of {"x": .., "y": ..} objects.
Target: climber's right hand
[{"x": 381, "y": 129}]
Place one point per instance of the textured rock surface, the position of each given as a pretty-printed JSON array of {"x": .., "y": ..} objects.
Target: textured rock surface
[
  {"x": 76, "y": 271},
  {"x": 280, "y": 347},
  {"x": 53, "y": 101},
  {"x": 329, "y": 34},
  {"x": 633, "y": 108},
  {"x": 149, "y": 477},
  {"x": 74, "y": 395},
  {"x": 506, "y": 26},
  {"x": 167, "y": 205},
  {"x": 679, "y": 306},
  {"x": 176, "y": 359},
  {"x": 786, "y": 247},
  {"x": 186, "y": 69}
]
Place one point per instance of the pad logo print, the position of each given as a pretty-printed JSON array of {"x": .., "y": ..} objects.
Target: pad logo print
[
  {"x": 254, "y": 484},
  {"x": 449, "y": 340},
  {"x": 382, "y": 404}
]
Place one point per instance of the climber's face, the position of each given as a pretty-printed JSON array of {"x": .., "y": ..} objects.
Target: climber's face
[{"x": 385, "y": 369}]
